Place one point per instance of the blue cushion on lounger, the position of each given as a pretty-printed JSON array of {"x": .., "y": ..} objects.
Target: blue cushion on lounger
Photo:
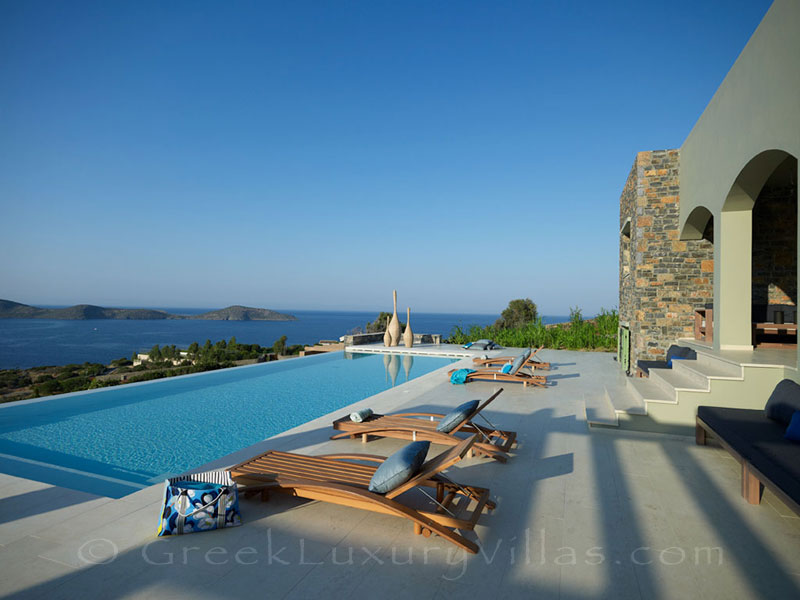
[
  {"x": 506, "y": 368},
  {"x": 453, "y": 418},
  {"x": 517, "y": 364},
  {"x": 399, "y": 467},
  {"x": 793, "y": 430}
]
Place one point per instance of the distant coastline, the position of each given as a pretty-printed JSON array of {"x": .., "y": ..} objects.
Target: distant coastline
[{"x": 83, "y": 312}]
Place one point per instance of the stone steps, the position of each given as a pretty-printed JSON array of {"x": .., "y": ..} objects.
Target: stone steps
[
  {"x": 702, "y": 370},
  {"x": 632, "y": 395},
  {"x": 644, "y": 390},
  {"x": 599, "y": 409},
  {"x": 670, "y": 397},
  {"x": 674, "y": 380}
]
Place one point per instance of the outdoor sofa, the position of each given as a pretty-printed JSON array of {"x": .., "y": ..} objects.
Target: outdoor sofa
[{"x": 756, "y": 439}]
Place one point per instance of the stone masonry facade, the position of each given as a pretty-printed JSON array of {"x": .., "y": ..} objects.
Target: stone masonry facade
[{"x": 662, "y": 279}]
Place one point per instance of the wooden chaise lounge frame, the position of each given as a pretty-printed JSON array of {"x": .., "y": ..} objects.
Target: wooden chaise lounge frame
[
  {"x": 341, "y": 479},
  {"x": 499, "y": 361},
  {"x": 518, "y": 376},
  {"x": 414, "y": 426}
]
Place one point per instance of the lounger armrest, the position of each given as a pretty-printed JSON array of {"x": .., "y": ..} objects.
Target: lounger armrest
[{"x": 417, "y": 414}]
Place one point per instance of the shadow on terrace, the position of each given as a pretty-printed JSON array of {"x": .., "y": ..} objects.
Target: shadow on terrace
[{"x": 580, "y": 514}]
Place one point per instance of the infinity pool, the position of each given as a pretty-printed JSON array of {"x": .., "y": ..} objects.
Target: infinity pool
[{"x": 114, "y": 441}]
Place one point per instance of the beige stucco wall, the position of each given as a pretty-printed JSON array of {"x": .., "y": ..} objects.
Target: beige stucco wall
[{"x": 755, "y": 110}]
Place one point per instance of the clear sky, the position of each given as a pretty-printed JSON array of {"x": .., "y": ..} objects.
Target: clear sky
[{"x": 316, "y": 155}]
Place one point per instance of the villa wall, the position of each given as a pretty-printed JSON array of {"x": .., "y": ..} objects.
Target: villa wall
[{"x": 661, "y": 278}]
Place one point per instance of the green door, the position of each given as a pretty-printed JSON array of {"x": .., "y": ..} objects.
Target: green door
[{"x": 624, "y": 348}]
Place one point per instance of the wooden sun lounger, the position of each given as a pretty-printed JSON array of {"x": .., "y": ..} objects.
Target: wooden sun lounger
[
  {"x": 499, "y": 361},
  {"x": 414, "y": 426},
  {"x": 520, "y": 376},
  {"x": 342, "y": 479}
]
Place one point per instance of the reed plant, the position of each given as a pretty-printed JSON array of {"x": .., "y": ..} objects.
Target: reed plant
[{"x": 598, "y": 333}]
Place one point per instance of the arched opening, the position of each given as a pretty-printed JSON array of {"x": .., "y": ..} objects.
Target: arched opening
[
  {"x": 774, "y": 263},
  {"x": 756, "y": 252},
  {"x": 699, "y": 225}
]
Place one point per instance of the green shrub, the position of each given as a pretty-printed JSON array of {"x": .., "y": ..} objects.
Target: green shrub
[{"x": 599, "y": 333}]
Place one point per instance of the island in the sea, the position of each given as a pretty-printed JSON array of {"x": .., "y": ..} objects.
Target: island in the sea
[{"x": 15, "y": 310}]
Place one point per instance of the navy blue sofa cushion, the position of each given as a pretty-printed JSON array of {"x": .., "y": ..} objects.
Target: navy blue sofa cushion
[
  {"x": 674, "y": 351},
  {"x": 783, "y": 402},
  {"x": 793, "y": 430}
]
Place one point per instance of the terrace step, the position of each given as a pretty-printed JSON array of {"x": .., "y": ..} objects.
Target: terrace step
[
  {"x": 671, "y": 380},
  {"x": 645, "y": 391},
  {"x": 599, "y": 409},
  {"x": 702, "y": 371},
  {"x": 625, "y": 402}
]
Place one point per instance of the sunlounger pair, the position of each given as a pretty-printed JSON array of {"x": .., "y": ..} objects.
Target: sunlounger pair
[{"x": 344, "y": 478}]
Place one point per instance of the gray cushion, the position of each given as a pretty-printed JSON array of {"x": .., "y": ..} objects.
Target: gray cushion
[
  {"x": 785, "y": 399},
  {"x": 482, "y": 344},
  {"x": 527, "y": 354},
  {"x": 453, "y": 418},
  {"x": 399, "y": 467},
  {"x": 517, "y": 364}
]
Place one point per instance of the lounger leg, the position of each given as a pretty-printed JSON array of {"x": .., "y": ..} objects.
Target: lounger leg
[
  {"x": 699, "y": 435},
  {"x": 752, "y": 488},
  {"x": 364, "y": 438}
]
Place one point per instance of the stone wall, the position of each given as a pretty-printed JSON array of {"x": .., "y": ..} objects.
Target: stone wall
[
  {"x": 662, "y": 278},
  {"x": 775, "y": 247}
]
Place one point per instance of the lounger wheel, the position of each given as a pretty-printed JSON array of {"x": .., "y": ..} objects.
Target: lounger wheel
[{"x": 420, "y": 530}]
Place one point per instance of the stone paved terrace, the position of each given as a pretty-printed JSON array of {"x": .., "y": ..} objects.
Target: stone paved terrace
[{"x": 581, "y": 514}]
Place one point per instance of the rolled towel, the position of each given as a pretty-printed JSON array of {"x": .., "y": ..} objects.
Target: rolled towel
[{"x": 361, "y": 415}]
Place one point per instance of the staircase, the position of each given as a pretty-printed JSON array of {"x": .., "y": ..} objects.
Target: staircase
[{"x": 667, "y": 401}]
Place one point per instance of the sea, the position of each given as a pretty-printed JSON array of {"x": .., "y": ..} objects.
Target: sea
[{"x": 26, "y": 343}]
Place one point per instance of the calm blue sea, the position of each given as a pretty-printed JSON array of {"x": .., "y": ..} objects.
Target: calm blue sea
[{"x": 33, "y": 342}]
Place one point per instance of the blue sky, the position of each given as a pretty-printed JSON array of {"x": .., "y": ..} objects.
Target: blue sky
[{"x": 317, "y": 155}]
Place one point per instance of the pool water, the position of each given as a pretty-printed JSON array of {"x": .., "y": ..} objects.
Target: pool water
[{"x": 115, "y": 441}]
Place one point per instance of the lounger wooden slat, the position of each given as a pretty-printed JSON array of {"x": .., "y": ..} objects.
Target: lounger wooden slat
[
  {"x": 314, "y": 471},
  {"x": 418, "y": 426},
  {"x": 307, "y": 473},
  {"x": 315, "y": 478}
]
